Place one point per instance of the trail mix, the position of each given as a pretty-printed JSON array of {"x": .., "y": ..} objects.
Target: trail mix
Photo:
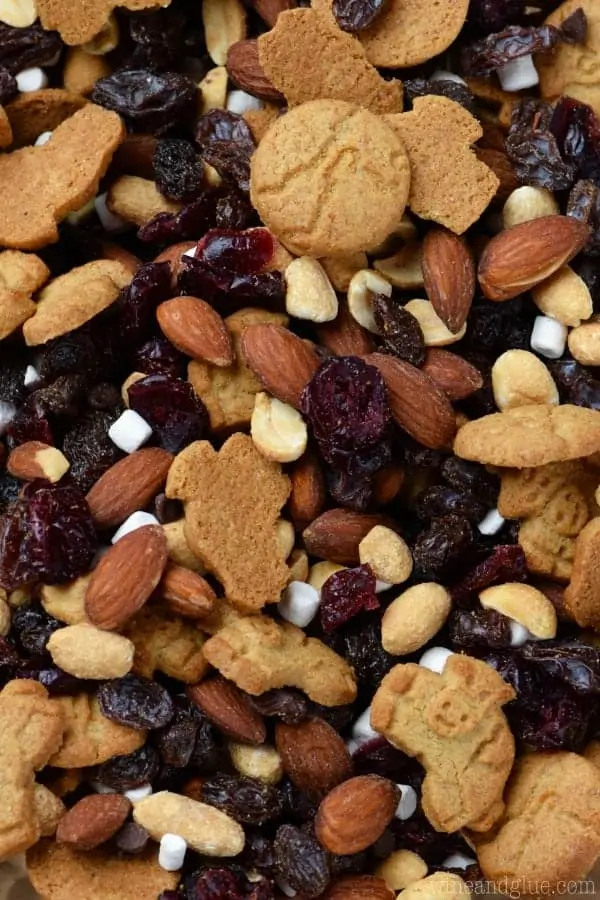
[{"x": 300, "y": 495}]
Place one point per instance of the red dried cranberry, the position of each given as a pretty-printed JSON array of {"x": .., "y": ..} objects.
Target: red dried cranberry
[
  {"x": 300, "y": 861},
  {"x": 199, "y": 280},
  {"x": 178, "y": 172},
  {"x": 159, "y": 357},
  {"x": 177, "y": 417},
  {"x": 345, "y": 594},
  {"x": 135, "y": 701},
  {"x": 130, "y": 771},
  {"x": 356, "y": 15},
  {"x": 46, "y": 537},
  {"x": 505, "y": 563},
  {"x": 378, "y": 757},
  {"x": 150, "y": 285},
  {"x": 247, "y": 800},
  {"x": 240, "y": 252},
  {"x": 215, "y": 884},
  {"x": 29, "y": 424},
  {"x": 149, "y": 101}
]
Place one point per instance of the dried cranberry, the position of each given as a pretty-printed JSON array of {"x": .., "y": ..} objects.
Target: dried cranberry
[
  {"x": 577, "y": 131},
  {"x": 48, "y": 536},
  {"x": 494, "y": 51},
  {"x": 233, "y": 210},
  {"x": 438, "y": 550},
  {"x": 177, "y": 417},
  {"x": 401, "y": 332},
  {"x": 159, "y": 357},
  {"x": 356, "y": 15},
  {"x": 282, "y": 703},
  {"x": 130, "y": 771},
  {"x": 148, "y": 100},
  {"x": 89, "y": 449},
  {"x": 478, "y": 629},
  {"x": 439, "y": 500},
  {"x": 199, "y": 280},
  {"x": 133, "y": 839},
  {"x": 136, "y": 306},
  {"x": 215, "y": 884},
  {"x": 29, "y": 424},
  {"x": 175, "y": 743},
  {"x": 247, "y": 800},
  {"x": 534, "y": 150},
  {"x": 178, "y": 172},
  {"x": 378, "y": 757},
  {"x": 300, "y": 861},
  {"x": 418, "y": 835},
  {"x": 505, "y": 563},
  {"x": 239, "y": 252},
  {"x": 345, "y": 594},
  {"x": 21, "y": 48},
  {"x": 31, "y": 626},
  {"x": 135, "y": 701}
]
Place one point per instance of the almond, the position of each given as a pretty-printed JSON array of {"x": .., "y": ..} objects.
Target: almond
[
  {"x": 187, "y": 593},
  {"x": 308, "y": 494},
  {"x": 128, "y": 485},
  {"x": 283, "y": 363},
  {"x": 358, "y": 887},
  {"x": 34, "y": 459},
  {"x": 418, "y": 405},
  {"x": 196, "y": 329},
  {"x": 344, "y": 336},
  {"x": 269, "y": 10},
  {"x": 501, "y": 166},
  {"x": 229, "y": 709},
  {"x": 244, "y": 68},
  {"x": 449, "y": 276},
  {"x": 517, "y": 259},
  {"x": 453, "y": 374},
  {"x": 336, "y": 534},
  {"x": 125, "y": 577},
  {"x": 314, "y": 756},
  {"x": 356, "y": 813},
  {"x": 93, "y": 820}
]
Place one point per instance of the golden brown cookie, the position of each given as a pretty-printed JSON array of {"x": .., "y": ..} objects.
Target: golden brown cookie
[
  {"x": 6, "y": 135},
  {"x": 137, "y": 200},
  {"x": 550, "y": 830},
  {"x": 573, "y": 69},
  {"x": 37, "y": 111},
  {"x": 58, "y": 872},
  {"x": 454, "y": 725},
  {"x": 21, "y": 274},
  {"x": 582, "y": 595},
  {"x": 530, "y": 436},
  {"x": 80, "y": 22},
  {"x": 330, "y": 178},
  {"x": 408, "y": 32},
  {"x": 308, "y": 57},
  {"x": 448, "y": 183},
  {"x": 166, "y": 643},
  {"x": 90, "y": 738}
]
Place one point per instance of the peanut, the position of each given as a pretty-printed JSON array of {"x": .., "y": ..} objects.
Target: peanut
[
  {"x": 584, "y": 343},
  {"x": 387, "y": 554},
  {"x": 434, "y": 331},
  {"x": 440, "y": 886},
  {"x": 206, "y": 829},
  {"x": 526, "y": 203},
  {"x": 401, "y": 868},
  {"x": 520, "y": 378},
  {"x": 363, "y": 286},
  {"x": 309, "y": 292},
  {"x": 277, "y": 429},
  {"x": 524, "y": 604},
  {"x": 262, "y": 762},
  {"x": 88, "y": 652},
  {"x": 403, "y": 269},
  {"x": 564, "y": 296},
  {"x": 413, "y": 618}
]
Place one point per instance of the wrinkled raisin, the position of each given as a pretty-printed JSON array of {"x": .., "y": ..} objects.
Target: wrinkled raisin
[
  {"x": 439, "y": 549},
  {"x": 175, "y": 743},
  {"x": 178, "y": 172},
  {"x": 89, "y": 449},
  {"x": 439, "y": 500},
  {"x": 356, "y": 15},
  {"x": 32, "y": 627},
  {"x": 533, "y": 149},
  {"x": 21, "y": 48},
  {"x": 130, "y": 771},
  {"x": 401, "y": 332},
  {"x": 478, "y": 629},
  {"x": 300, "y": 861},
  {"x": 282, "y": 703},
  {"x": 135, "y": 701},
  {"x": 177, "y": 417},
  {"x": 159, "y": 357},
  {"x": 494, "y": 51},
  {"x": 148, "y": 100},
  {"x": 247, "y": 800}
]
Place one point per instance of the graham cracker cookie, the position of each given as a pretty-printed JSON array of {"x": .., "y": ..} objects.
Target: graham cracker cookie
[
  {"x": 530, "y": 436},
  {"x": 454, "y": 725},
  {"x": 308, "y": 57},
  {"x": 573, "y": 69},
  {"x": 408, "y": 32},
  {"x": 582, "y": 595},
  {"x": 82, "y": 70},
  {"x": 448, "y": 183},
  {"x": 165, "y": 642},
  {"x": 550, "y": 797},
  {"x": 239, "y": 494},
  {"x": 80, "y": 22},
  {"x": 137, "y": 200},
  {"x": 6, "y": 135},
  {"x": 32, "y": 113},
  {"x": 330, "y": 178},
  {"x": 59, "y": 872},
  {"x": 41, "y": 185},
  {"x": 21, "y": 274},
  {"x": 90, "y": 738}
]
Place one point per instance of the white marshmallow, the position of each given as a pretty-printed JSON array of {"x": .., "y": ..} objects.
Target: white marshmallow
[
  {"x": 191, "y": 252},
  {"x": 240, "y": 102},
  {"x": 458, "y": 861},
  {"x": 32, "y": 376},
  {"x": 139, "y": 793},
  {"x": 518, "y": 74},
  {"x": 519, "y": 634},
  {"x": 435, "y": 659},
  {"x": 42, "y": 138},
  {"x": 444, "y": 75},
  {"x": 135, "y": 520},
  {"x": 130, "y": 431},
  {"x": 362, "y": 730},
  {"x": 381, "y": 586},
  {"x": 172, "y": 852},
  {"x": 352, "y": 745},
  {"x": 299, "y": 603},
  {"x": 7, "y": 413},
  {"x": 285, "y": 888},
  {"x": 109, "y": 221},
  {"x": 549, "y": 337},
  {"x": 491, "y": 523},
  {"x": 33, "y": 79},
  {"x": 101, "y": 788},
  {"x": 408, "y": 802}
]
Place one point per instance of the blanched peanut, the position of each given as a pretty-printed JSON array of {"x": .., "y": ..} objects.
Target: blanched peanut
[
  {"x": 403, "y": 269},
  {"x": 525, "y": 605},
  {"x": 520, "y": 378},
  {"x": 413, "y": 618},
  {"x": 309, "y": 292},
  {"x": 206, "y": 829},
  {"x": 277, "y": 429},
  {"x": 363, "y": 286},
  {"x": 298, "y": 565},
  {"x": 341, "y": 269},
  {"x": 387, "y": 554},
  {"x": 526, "y": 203},
  {"x": 564, "y": 296},
  {"x": 285, "y": 537},
  {"x": 584, "y": 343},
  {"x": 5, "y": 617},
  {"x": 401, "y": 868},
  {"x": 262, "y": 762},
  {"x": 434, "y": 331},
  {"x": 88, "y": 652}
]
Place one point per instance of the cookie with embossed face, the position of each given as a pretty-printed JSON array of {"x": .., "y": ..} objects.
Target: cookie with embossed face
[
  {"x": 573, "y": 69},
  {"x": 330, "y": 178}
]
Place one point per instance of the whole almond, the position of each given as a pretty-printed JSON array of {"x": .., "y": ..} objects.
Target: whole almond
[
  {"x": 34, "y": 459},
  {"x": 125, "y": 577},
  {"x": 229, "y": 709},
  {"x": 517, "y": 259},
  {"x": 244, "y": 68},
  {"x": 308, "y": 495},
  {"x": 358, "y": 887},
  {"x": 336, "y": 534},
  {"x": 449, "y": 276},
  {"x": 93, "y": 820},
  {"x": 269, "y": 10},
  {"x": 128, "y": 485},
  {"x": 314, "y": 756},
  {"x": 283, "y": 363},
  {"x": 452, "y": 373},
  {"x": 196, "y": 329},
  {"x": 344, "y": 336},
  {"x": 418, "y": 405},
  {"x": 356, "y": 813},
  {"x": 501, "y": 166},
  {"x": 187, "y": 593}
]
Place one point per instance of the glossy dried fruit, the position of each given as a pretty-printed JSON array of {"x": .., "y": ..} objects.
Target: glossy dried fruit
[
  {"x": 442, "y": 547},
  {"x": 239, "y": 252},
  {"x": 21, "y": 48},
  {"x": 402, "y": 334},
  {"x": 32, "y": 627},
  {"x": 345, "y": 594},
  {"x": 178, "y": 172},
  {"x": 478, "y": 630},
  {"x": 300, "y": 861},
  {"x": 533, "y": 149},
  {"x": 356, "y": 15},
  {"x": 135, "y": 701},
  {"x": 137, "y": 306},
  {"x": 439, "y": 500},
  {"x": 287, "y": 704},
  {"x": 492, "y": 52},
  {"x": 505, "y": 563},
  {"x": 246, "y": 800},
  {"x": 576, "y": 128},
  {"x": 149, "y": 101},
  {"x": 130, "y": 771},
  {"x": 177, "y": 417}
]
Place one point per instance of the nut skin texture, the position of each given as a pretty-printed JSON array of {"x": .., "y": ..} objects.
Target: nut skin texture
[
  {"x": 187, "y": 593},
  {"x": 520, "y": 378},
  {"x": 358, "y": 887},
  {"x": 229, "y": 709},
  {"x": 313, "y": 755},
  {"x": 88, "y": 652},
  {"x": 35, "y": 459},
  {"x": 525, "y": 604},
  {"x": 356, "y": 813},
  {"x": 282, "y": 362},
  {"x": 93, "y": 820},
  {"x": 308, "y": 495},
  {"x": 129, "y": 485},
  {"x": 413, "y": 618},
  {"x": 456, "y": 377},
  {"x": 336, "y": 535},
  {"x": 449, "y": 276},
  {"x": 195, "y": 328}
]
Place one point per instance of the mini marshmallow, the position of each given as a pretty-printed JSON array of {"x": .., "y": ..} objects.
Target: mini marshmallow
[
  {"x": 518, "y": 74},
  {"x": 109, "y": 221},
  {"x": 299, "y": 603},
  {"x": 32, "y": 376},
  {"x": 381, "y": 586},
  {"x": 42, "y": 138},
  {"x": 191, "y": 252},
  {"x": 519, "y": 635},
  {"x": 444, "y": 75},
  {"x": 7, "y": 413},
  {"x": 240, "y": 102},
  {"x": 458, "y": 861},
  {"x": 362, "y": 730},
  {"x": 285, "y": 888},
  {"x": 172, "y": 852},
  {"x": 408, "y": 802},
  {"x": 139, "y": 793},
  {"x": 33, "y": 79},
  {"x": 101, "y": 788},
  {"x": 130, "y": 431},
  {"x": 435, "y": 659},
  {"x": 549, "y": 337},
  {"x": 135, "y": 520},
  {"x": 352, "y": 745},
  {"x": 491, "y": 523}
]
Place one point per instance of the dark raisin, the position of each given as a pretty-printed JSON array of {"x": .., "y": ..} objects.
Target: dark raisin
[
  {"x": 356, "y": 15},
  {"x": 362, "y": 648},
  {"x": 61, "y": 398},
  {"x": 105, "y": 397},
  {"x": 177, "y": 417},
  {"x": 132, "y": 839},
  {"x": 166, "y": 510},
  {"x": 401, "y": 332},
  {"x": 12, "y": 376},
  {"x": 9, "y": 491},
  {"x": 439, "y": 500},
  {"x": 175, "y": 743},
  {"x": 205, "y": 755},
  {"x": 478, "y": 629},
  {"x": 52, "y": 678},
  {"x": 442, "y": 87},
  {"x": 468, "y": 476},
  {"x": 135, "y": 701},
  {"x": 300, "y": 861},
  {"x": 231, "y": 161},
  {"x": 258, "y": 852},
  {"x": 577, "y": 130},
  {"x": 378, "y": 757},
  {"x": 239, "y": 252},
  {"x": 492, "y": 52},
  {"x": 233, "y": 210},
  {"x": 71, "y": 353},
  {"x": 219, "y": 125},
  {"x": 494, "y": 15},
  {"x": 89, "y": 449},
  {"x": 148, "y": 100},
  {"x": 136, "y": 306},
  {"x": 31, "y": 626},
  {"x": 298, "y": 806},
  {"x": 178, "y": 172},
  {"x": 130, "y": 771},
  {"x": 575, "y": 384},
  {"x": 438, "y": 550},
  {"x": 348, "y": 490},
  {"x": 159, "y": 37},
  {"x": 534, "y": 150},
  {"x": 8, "y": 86},
  {"x": 29, "y": 424},
  {"x": 214, "y": 884},
  {"x": 247, "y": 800},
  {"x": 418, "y": 835},
  {"x": 282, "y": 703},
  {"x": 21, "y": 48},
  {"x": 345, "y": 594},
  {"x": 505, "y": 563},
  {"x": 159, "y": 357}
]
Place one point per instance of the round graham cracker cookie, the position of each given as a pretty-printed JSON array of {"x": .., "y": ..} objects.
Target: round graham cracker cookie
[
  {"x": 409, "y": 32},
  {"x": 573, "y": 69},
  {"x": 330, "y": 178}
]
